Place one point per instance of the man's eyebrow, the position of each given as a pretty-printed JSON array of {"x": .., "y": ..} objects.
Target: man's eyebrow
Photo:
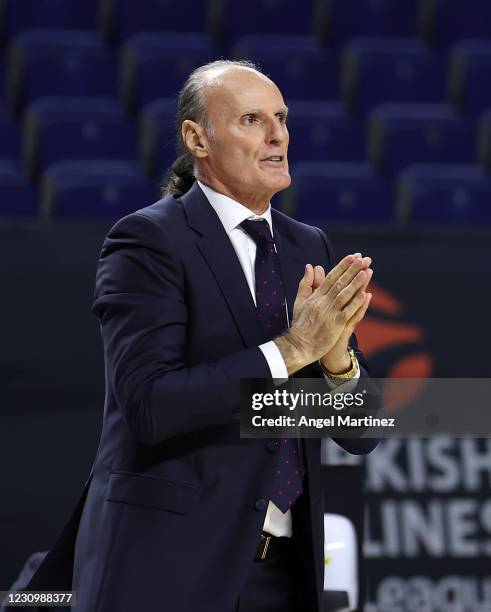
[{"x": 256, "y": 111}]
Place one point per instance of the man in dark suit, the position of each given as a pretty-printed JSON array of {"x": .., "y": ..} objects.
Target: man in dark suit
[{"x": 205, "y": 287}]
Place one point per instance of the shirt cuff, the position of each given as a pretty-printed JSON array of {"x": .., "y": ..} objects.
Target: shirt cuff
[
  {"x": 344, "y": 387},
  {"x": 275, "y": 361}
]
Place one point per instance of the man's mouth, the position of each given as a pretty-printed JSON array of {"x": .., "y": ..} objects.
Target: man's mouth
[{"x": 274, "y": 159}]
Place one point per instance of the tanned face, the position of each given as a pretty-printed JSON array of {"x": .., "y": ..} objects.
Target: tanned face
[{"x": 245, "y": 155}]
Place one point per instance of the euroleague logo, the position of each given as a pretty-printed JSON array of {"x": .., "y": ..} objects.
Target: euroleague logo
[{"x": 394, "y": 349}]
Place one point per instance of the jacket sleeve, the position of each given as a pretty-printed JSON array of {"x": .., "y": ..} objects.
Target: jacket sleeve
[{"x": 141, "y": 304}]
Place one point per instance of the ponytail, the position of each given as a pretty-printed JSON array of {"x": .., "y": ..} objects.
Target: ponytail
[{"x": 181, "y": 176}]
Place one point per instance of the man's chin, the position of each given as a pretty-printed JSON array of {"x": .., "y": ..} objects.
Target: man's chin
[
  {"x": 278, "y": 180},
  {"x": 283, "y": 182}
]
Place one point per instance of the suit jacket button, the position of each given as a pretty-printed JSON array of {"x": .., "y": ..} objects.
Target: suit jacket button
[
  {"x": 272, "y": 446},
  {"x": 260, "y": 504}
]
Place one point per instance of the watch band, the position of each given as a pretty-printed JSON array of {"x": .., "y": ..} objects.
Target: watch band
[{"x": 351, "y": 373}]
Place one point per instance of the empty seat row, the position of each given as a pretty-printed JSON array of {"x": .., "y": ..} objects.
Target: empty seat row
[
  {"x": 333, "y": 21},
  {"x": 332, "y": 193},
  {"x": 152, "y": 66},
  {"x": 91, "y": 189},
  {"x": 76, "y": 128},
  {"x": 60, "y": 63},
  {"x": 395, "y": 135},
  {"x": 402, "y": 134},
  {"x": 425, "y": 195}
]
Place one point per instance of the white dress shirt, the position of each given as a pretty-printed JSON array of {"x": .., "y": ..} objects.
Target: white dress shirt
[{"x": 231, "y": 213}]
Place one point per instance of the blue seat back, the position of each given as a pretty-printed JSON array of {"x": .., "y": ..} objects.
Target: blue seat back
[
  {"x": 440, "y": 195},
  {"x": 391, "y": 70},
  {"x": 404, "y": 134},
  {"x": 77, "y": 128},
  {"x": 334, "y": 193},
  {"x": 156, "y": 65},
  {"x": 96, "y": 189},
  {"x": 300, "y": 68},
  {"x": 322, "y": 131},
  {"x": 64, "y": 63},
  {"x": 17, "y": 196}
]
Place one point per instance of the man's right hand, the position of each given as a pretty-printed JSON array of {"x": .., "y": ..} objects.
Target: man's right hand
[{"x": 320, "y": 314}]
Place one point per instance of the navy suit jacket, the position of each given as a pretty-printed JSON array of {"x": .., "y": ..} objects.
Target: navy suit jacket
[{"x": 171, "y": 514}]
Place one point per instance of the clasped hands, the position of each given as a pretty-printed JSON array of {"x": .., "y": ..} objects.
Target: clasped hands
[{"x": 326, "y": 311}]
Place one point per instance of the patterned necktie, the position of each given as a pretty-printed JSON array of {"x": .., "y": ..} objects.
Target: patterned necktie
[{"x": 271, "y": 313}]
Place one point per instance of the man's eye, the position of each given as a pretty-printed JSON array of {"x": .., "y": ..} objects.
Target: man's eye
[{"x": 249, "y": 119}]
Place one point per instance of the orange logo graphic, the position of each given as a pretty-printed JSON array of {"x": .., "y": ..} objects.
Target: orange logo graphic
[{"x": 394, "y": 348}]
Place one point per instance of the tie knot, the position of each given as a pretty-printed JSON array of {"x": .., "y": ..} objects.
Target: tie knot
[{"x": 258, "y": 230}]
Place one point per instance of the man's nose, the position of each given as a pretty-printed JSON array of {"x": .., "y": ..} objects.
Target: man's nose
[{"x": 276, "y": 133}]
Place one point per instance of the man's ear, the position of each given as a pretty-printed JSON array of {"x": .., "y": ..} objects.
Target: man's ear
[{"x": 194, "y": 138}]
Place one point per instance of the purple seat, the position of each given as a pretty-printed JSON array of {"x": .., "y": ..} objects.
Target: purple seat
[
  {"x": 59, "y": 129},
  {"x": 484, "y": 139},
  {"x": 156, "y": 65},
  {"x": 446, "y": 21},
  {"x": 19, "y": 15},
  {"x": 377, "y": 70},
  {"x": 323, "y": 131},
  {"x": 123, "y": 18},
  {"x": 64, "y": 63},
  {"x": 404, "y": 134},
  {"x": 338, "y": 193},
  {"x": 232, "y": 19},
  {"x": 95, "y": 189},
  {"x": 300, "y": 68},
  {"x": 17, "y": 196},
  {"x": 341, "y": 20},
  {"x": 440, "y": 195},
  {"x": 10, "y": 136},
  {"x": 158, "y": 136},
  {"x": 470, "y": 69}
]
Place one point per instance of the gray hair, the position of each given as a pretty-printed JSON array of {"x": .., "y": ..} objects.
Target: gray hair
[{"x": 192, "y": 106}]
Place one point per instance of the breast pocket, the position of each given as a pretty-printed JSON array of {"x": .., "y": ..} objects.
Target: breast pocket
[{"x": 152, "y": 492}]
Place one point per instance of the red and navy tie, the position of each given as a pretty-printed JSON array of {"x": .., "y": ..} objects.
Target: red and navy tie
[{"x": 271, "y": 313}]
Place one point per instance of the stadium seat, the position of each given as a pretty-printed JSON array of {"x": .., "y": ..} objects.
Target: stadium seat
[
  {"x": 2, "y": 77},
  {"x": 123, "y": 18},
  {"x": 451, "y": 195},
  {"x": 58, "y": 129},
  {"x": 321, "y": 131},
  {"x": 17, "y": 197},
  {"x": 484, "y": 139},
  {"x": 469, "y": 76},
  {"x": 156, "y": 65},
  {"x": 446, "y": 21},
  {"x": 10, "y": 136},
  {"x": 18, "y": 15},
  {"x": 300, "y": 68},
  {"x": 340, "y": 20},
  {"x": 232, "y": 19},
  {"x": 158, "y": 136},
  {"x": 338, "y": 193},
  {"x": 403, "y": 134},
  {"x": 64, "y": 63},
  {"x": 377, "y": 70},
  {"x": 96, "y": 189}
]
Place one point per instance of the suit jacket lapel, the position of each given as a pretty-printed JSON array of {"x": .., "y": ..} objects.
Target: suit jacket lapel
[{"x": 215, "y": 246}]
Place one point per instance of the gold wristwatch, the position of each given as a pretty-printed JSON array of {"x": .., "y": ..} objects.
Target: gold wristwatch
[{"x": 351, "y": 373}]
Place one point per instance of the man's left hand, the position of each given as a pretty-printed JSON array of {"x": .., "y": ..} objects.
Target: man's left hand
[{"x": 337, "y": 361}]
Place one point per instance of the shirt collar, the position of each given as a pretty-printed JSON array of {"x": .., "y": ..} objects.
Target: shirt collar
[{"x": 230, "y": 212}]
